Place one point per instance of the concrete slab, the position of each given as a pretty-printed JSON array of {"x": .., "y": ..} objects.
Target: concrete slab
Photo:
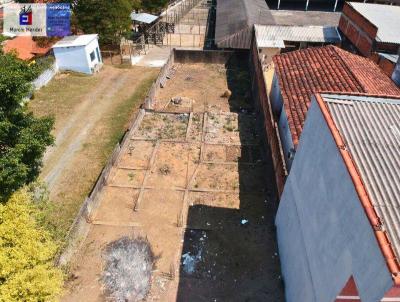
[{"x": 156, "y": 56}]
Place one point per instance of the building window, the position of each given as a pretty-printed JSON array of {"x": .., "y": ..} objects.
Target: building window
[
  {"x": 92, "y": 56},
  {"x": 98, "y": 54}
]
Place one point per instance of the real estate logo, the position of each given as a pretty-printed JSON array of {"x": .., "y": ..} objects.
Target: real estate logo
[
  {"x": 37, "y": 19},
  {"x": 25, "y": 15}
]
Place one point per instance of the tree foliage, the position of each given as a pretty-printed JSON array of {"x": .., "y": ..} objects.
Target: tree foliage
[
  {"x": 27, "y": 251},
  {"x": 23, "y": 137},
  {"x": 154, "y": 6},
  {"x": 109, "y": 19}
]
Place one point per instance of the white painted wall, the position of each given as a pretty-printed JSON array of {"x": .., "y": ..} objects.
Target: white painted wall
[
  {"x": 276, "y": 96},
  {"x": 91, "y": 47},
  {"x": 286, "y": 138},
  {"x": 77, "y": 58},
  {"x": 324, "y": 235}
]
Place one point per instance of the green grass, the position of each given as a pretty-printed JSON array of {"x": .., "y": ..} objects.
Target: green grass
[
  {"x": 122, "y": 114},
  {"x": 94, "y": 155}
]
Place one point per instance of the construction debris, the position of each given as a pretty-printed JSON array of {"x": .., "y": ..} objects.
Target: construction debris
[{"x": 127, "y": 273}]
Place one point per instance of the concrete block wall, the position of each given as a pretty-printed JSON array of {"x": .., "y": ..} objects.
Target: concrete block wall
[
  {"x": 202, "y": 56},
  {"x": 358, "y": 30},
  {"x": 324, "y": 236},
  {"x": 263, "y": 104}
]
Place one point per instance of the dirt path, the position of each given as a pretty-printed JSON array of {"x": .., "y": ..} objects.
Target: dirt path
[
  {"x": 75, "y": 132},
  {"x": 91, "y": 115},
  {"x": 73, "y": 135}
]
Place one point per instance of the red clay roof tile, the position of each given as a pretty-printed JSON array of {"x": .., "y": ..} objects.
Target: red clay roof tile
[
  {"x": 305, "y": 72},
  {"x": 25, "y": 47}
]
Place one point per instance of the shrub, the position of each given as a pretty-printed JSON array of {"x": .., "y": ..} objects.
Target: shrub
[{"x": 27, "y": 272}]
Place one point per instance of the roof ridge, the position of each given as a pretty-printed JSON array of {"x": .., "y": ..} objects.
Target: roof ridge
[
  {"x": 340, "y": 52},
  {"x": 375, "y": 95}
]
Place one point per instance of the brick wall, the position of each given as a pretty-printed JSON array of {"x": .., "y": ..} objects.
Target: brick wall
[
  {"x": 360, "y": 21},
  {"x": 263, "y": 104},
  {"x": 387, "y": 66},
  {"x": 358, "y": 30},
  {"x": 362, "y": 33}
]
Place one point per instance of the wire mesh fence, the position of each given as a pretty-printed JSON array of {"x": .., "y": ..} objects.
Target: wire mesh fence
[{"x": 183, "y": 24}]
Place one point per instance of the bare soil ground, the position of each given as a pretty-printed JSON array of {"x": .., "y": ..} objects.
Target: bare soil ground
[
  {"x": 200, "y": 187},
  {"x": 91, "y": 114}
]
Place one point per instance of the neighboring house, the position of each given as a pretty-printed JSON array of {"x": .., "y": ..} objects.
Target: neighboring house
[
  {"x": 272, "y": 39},
  {"x": 235, "y": 21},
  {"x": 338, "y": 222},
  {"x": 299, "y": 74},
  {"x": 371, "y": 27},
  {"x": 25, "y": 48},
  {"x": 78, "y": 53}
]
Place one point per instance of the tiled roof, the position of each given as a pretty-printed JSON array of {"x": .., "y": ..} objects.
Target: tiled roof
[
  {"x": 369, "y": 139},
  {"x": 305, "y": 72},
  {"x": 25, "y": 47}
]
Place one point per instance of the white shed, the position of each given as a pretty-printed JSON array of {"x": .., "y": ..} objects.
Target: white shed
[{"x": 78, "y": 53}]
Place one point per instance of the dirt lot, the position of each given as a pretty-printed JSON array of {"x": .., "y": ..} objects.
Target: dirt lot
[
  {"x": 91, "y": 113},
  {"x": 199, "y": 186}
]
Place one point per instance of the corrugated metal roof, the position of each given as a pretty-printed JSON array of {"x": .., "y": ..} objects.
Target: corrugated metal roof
[
  {"x": 143, "y": 17},
  {"x": 370, "y": 127},
  {"x": 385, "y": 17},
  {"x": 391, "y": 57},
  {"x": 74, "y": 41},
  {"x": 322, "y": 34},
  {"x": 235, "y": 20}
]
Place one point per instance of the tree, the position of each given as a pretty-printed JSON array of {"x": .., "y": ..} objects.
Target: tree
[
  {"x": 23, "y": 137},
  {"x": 109, "y": 19},
  {"x": 26, "y": 253},
  {"x": 154, "y": 6}
]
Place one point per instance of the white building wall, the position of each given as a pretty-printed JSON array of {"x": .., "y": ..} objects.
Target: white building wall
[
  {"x": 324, "y": 236},
  {"x": 276, "y": 96},
  {"x": 72, "y": 58},
  {"x": 91, "y": 47},
  {"x": 77, "y": 58},
  {"x": 396, "y": 73},
  {"x": 286, "y": 139}
]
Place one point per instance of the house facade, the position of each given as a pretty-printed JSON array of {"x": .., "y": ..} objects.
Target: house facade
[
  {"x": 300, "y": 74},
  {"x": 337, "y": 223}
]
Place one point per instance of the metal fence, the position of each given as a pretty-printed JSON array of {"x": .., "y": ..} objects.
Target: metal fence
[{"x": 183, "y": 24}]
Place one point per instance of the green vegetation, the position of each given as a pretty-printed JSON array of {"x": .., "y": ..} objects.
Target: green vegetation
[
  {"x": 109, "y": 19},
  {"x": 23, "y": 137},
  {"x": 121, "y": 114},
  {"x": 65, "y": 204},
  {"x": 27, "y": 252},
  {"x": 153, "y": 6}
]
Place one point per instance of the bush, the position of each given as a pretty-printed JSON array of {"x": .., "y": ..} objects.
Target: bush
[{"x": 27, "y": 252}]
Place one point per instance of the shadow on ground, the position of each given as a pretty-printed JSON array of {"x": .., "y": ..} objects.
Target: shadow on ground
[{"x": 230, "y": 254}]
